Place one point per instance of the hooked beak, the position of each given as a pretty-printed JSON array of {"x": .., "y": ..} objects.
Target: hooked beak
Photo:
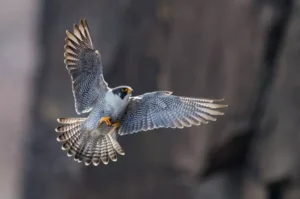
[{"x": 129, "y": 91}]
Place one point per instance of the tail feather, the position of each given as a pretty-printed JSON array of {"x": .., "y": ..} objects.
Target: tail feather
[
  {"x": 70, "y": 120},
  {"x": 87, "y": 150},
  {"x": 72, "y": 144},
  {"x": 104, "y": 151},
  {"x": 116, "y": 145},
  {"x": 72, "y": 140},
  {"x": 96, "y": 156},
  {"x": 80, "y": 148},
  {"x": 88, "y": 146},
  {"x": 90, "y": 151},
  {"x": 67, "y": 127},
  {"x": 68, "y": 134},
  {"x": 110, "y": 149}
]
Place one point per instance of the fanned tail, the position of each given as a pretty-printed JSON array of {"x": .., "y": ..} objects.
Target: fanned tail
[{"x": 88, "y": 146}]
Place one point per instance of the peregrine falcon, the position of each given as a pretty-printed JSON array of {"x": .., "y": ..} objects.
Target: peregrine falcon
[{"x": 114, "y": 111}]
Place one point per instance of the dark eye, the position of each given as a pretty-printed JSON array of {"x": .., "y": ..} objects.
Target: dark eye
[{"x": 124, "y": 90}]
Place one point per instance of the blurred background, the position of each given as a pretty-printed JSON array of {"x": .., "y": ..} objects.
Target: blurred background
[{"x": 242, "y": 50}]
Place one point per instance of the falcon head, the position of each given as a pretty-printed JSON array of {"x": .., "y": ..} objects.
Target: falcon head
[{"x": 124, "y": 92}]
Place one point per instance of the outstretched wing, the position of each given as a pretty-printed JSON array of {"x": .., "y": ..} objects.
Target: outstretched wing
[
  {"x": 164, "y": 110},
  {"x": 85, "y": 67}
]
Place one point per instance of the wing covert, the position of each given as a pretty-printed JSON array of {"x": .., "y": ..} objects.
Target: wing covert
[
  {"x": 84, "y": 65},
  {"x": 163, "y": 110}
]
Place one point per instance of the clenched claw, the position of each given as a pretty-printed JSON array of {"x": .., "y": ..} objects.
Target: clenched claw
[
  {"x": 106, "y": 120},
  {"x": 117, "y": 124}
]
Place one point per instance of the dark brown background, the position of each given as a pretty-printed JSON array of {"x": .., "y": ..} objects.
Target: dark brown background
[{"x": 243, "y": 50}]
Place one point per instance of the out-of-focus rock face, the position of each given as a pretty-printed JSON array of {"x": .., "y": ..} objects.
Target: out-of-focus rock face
[{"x": 278, "y": 141}]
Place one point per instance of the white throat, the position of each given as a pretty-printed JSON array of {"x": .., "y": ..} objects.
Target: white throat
[{"x": 114, "y": 101}]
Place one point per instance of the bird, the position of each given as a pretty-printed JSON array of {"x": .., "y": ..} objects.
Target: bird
[{"x": 114, "y": 112}]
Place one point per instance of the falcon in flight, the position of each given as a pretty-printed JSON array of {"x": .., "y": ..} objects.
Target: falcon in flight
[{"x": 114, "y": 111}]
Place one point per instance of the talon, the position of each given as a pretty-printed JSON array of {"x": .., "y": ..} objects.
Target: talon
[
  {"x": 117, "y": 124},
  {"x": 106, "y": 120}
]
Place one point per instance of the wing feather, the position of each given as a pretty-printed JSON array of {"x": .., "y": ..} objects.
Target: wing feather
[
  {"x": 163, "y": 110},
  {"x": 84, "y": 65}
]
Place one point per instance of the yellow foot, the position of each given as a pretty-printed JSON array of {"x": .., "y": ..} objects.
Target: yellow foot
[
  {"x": 106, "y": 120},
  {"x": 115, "y": 125}
]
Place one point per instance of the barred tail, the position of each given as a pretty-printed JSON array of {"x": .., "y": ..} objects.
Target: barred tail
[{"x": 88, "y": 146}]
